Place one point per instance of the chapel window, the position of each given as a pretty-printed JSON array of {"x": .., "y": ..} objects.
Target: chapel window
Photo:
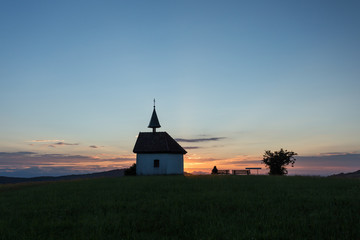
[{"x": 156, "y": 163}]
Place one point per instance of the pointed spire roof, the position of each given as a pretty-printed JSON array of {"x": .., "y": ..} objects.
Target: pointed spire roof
[{"x": 154, "y": 121}]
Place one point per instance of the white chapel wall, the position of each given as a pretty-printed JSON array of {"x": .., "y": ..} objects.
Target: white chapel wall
[{"x": 169, "y": 163}]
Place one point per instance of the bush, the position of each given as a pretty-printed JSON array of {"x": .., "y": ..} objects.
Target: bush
[{"x": 131, "y": 171}]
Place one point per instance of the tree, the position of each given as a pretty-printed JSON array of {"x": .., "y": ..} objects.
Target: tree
[
  {"x": 131, "y": 171},
  {"x": 276, "y": 161}
]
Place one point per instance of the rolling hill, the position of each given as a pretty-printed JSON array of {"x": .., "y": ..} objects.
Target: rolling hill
[{"x": 112, "y": 173}]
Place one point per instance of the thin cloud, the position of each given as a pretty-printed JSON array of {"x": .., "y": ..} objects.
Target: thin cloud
[
  {"x": 94, "y": 146},
  {"x": 44, "y": 141},
  {"x": 192, "y": 147},
  {"x": 334, "y": 153},
  {"x": 200, "y": 173},
  {"x": 199, "y": 139},
  {"x": 66, "y": 144},
  {"x": 197, "y": 160},
  {"x": 198, "y": 147},
  {"x": 53, "y": 143},
  {"x": 15, "y": 154},
  {"x": 57, "y": 144},
  {"x": 242, "y": 162},
  {"x": 64, "y": 156}
]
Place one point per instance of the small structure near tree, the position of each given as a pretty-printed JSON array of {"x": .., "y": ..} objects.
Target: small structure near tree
[
  {"x": 254, "y": 168},
  {"x": 223, "y": 172},
  {"x": 220, "y": 172},
  {"x": 241, "y": 172},
  {"x": 234, "y": 172}
]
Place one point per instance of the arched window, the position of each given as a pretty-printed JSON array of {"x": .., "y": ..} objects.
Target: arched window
[{"x": 156, "y": 163}]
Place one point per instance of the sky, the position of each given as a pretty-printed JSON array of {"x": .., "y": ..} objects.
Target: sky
[{"x": 231, "y": 79}]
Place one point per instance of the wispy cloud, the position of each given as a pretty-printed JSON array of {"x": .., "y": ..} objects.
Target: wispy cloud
[
  {"x": 198, "y": 147},
  {"x": 336, "y": 153},
  {"x": 192, "y": 147},
  {"x": 248, "y": 163},
  {"x": 46, "y": 141},
  {"x": 199, "y": 139},
  {"x": 197, "y": 160},
  {"x": 200, "y": 173},
  {"x": 66, "y": 144},
  {"x": 94, "y": 146},
  {"x": 15, "y": 154},
  {"x": 51, "y": 143},
  {"x": 59, "y": 144}
]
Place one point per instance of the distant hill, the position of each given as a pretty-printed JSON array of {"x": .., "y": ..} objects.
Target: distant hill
[
  {"x": 112, "y": 173},
  {"x": 348, "y": 175}
]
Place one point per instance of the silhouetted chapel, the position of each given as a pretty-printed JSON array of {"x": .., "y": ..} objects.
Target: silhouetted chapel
[{"x": 157, "y": 152}]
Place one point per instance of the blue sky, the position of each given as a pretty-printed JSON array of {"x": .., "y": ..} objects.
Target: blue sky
[{"x": 255, "y": 75}]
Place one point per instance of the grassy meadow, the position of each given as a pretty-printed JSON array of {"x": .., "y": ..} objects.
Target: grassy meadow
[{"x": 178, "y": 207}]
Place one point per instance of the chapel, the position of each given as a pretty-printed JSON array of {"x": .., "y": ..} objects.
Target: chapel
[{"x": 157, "y": 153}]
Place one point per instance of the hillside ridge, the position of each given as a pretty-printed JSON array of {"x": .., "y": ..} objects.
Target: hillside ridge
[
  {"x": 355, "y": 174},
  {"x": 111, "y": 173}
]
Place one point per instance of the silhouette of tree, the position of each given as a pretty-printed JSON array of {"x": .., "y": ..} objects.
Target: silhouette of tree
[
  {"x": 131, "y": 171},
  {"x": 276, "y": 161},
  {"x": 214, "y": 171}
]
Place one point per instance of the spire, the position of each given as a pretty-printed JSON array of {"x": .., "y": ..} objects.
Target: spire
[{"x": 154, "y": 121}]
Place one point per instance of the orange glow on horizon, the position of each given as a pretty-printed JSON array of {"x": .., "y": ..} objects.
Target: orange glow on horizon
[
  {"x": 195, "y": 163},
  {"x": 322, "y": 164}
]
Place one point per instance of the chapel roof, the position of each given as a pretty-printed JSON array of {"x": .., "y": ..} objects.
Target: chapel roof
[{"x": 157, "y": 142}]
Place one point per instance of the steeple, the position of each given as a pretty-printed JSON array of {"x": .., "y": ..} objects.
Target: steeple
[{"x": 154, "y": 121}]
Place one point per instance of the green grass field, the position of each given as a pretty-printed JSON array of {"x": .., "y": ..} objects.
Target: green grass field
[{"x": 177, "y": 207}]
